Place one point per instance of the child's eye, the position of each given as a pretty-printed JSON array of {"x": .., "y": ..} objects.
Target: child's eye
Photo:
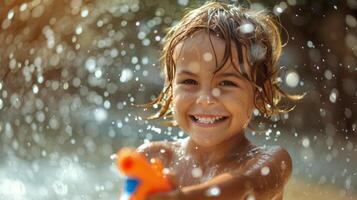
[
  {"x": 227, "y": 83},
  {"x": 189, "y": 82}
]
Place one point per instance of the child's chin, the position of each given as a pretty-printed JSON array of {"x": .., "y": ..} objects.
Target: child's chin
[{"x": 206, "y": 142}]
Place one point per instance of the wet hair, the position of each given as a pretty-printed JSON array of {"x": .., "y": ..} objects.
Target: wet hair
[{"x": 257, "y": 31}]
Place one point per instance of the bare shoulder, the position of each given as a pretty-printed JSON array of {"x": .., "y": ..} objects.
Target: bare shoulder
[
  {"x": 277, "y": 153},
  {"x": 162, "y": 150},
  {"x": 274, "y": 157},
  {"x": 268, "y": 151}
]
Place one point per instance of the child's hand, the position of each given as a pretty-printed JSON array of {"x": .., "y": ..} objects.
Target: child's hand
[
  {"x": 175, "y": 194},
  {"x": 172, "y": 178},
  {"x": 172, "y": 195}
]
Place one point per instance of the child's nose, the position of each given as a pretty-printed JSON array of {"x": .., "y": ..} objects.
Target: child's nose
[{"x": 206, "y": 97}]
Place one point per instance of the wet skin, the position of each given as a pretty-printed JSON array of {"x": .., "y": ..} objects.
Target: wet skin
[{"x": 216, "y": 154}]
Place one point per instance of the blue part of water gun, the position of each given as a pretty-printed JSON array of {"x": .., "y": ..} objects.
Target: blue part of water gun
[{"x": 130, "y": 185}]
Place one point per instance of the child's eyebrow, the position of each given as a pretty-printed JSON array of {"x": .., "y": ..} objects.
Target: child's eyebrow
[
  {"x": 184, "y": 72},
  {"x": 231, "y": 74},
  {"x": 226, "y": 74}
]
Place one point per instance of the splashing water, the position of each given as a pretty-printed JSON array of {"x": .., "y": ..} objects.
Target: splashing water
[
  {"x": 70, "y": 78},
  {"x": 216, "y": 92},
  {"x": 207, "y": 57},
  {"x": 265, "y": 171},
  {"x": 196, "y": 172},
  {"x": 213, "y": 191}
]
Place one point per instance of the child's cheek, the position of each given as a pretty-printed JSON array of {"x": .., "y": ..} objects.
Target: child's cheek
[
  {"x": 181, "y": 106},
  {"x": 183, "y": 97}
]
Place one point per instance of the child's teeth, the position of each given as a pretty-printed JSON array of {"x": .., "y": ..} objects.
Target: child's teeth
[{"x": 207, "y": 120}]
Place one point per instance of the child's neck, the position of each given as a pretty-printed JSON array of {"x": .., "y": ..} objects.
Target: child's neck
[{"x": 214, "y": 155}]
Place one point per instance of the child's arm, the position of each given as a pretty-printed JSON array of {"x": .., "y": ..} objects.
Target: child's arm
[{"x": 262, "y": 177}]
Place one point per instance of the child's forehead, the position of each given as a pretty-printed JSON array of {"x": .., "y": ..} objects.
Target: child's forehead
[
  {"x": 202, "y": 49},
  {"x": 199, "y": 42},
  {"x": 202, "y": 42}
]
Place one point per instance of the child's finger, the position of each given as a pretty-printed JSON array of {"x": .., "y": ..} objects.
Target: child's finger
[{"x": 171, "y": 176}]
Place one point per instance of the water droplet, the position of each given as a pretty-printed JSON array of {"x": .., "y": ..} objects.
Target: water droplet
[
  {"x": 213, "y": 191},
  {"x": 351, "y": 21},
  {"x": 333, "y": 95},
  {"x": 196, "y": 172},
  {"x": 246, "y": 28},
  {"x": 265, "y": 171},
  {"x": 278, "y": 10},
  {"x": 207, "y": 56},
  {"x": 10, "y": 14},
  {"x": 257, "y": 51},
  {"x": 126, "y": 75},
  {"x": 79, "y": 30},
  {"x": 40, "y": 116},
  {"x": 152, "y": 160},
  {"x": 54, "y": 60},
  {"x": 292, "y": 79},
  {"x": 305, "y": 142},
  {"x": 35, "y": 89},
  {"x": 134, "y": 60},
  {"x": 141, "y": 35},
  {"x": 328, "y": 74},
  {"x": 256, "y": 112},
  {"x": 114, "y": 156},
  {"x": 157, "y": 38},
  {"x": 107, "y": 104},
  {"x": 98, "y": 73},
  {"x": 156, "y": 129},
  {"x": 54, "y": 123},
  {"x": 250, "y": 197},
  {"x": 23, "y": 7},
  {"x": 216, "y": 92},
  {"x": 100, "y": 114},
  {"x": 310, "y": 44},
  {"x": 90, "y": 64},
  {"x": 182, "y": 2},
  {"x": 84, "y": 13}
]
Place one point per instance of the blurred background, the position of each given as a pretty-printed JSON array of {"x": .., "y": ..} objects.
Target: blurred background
[{"x": 72, "y": 70}]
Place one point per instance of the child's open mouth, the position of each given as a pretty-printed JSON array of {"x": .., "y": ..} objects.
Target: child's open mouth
[{"x": 207, "y": 121}]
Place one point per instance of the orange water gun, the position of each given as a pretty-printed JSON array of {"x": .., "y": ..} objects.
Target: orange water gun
[{"x": 142, "y": 177}]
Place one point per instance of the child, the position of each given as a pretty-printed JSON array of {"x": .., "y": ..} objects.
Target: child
[{"x": 219, "y": 64}]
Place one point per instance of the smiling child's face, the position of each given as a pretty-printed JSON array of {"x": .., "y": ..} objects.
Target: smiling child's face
[{"x": 209, "y": 107}]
